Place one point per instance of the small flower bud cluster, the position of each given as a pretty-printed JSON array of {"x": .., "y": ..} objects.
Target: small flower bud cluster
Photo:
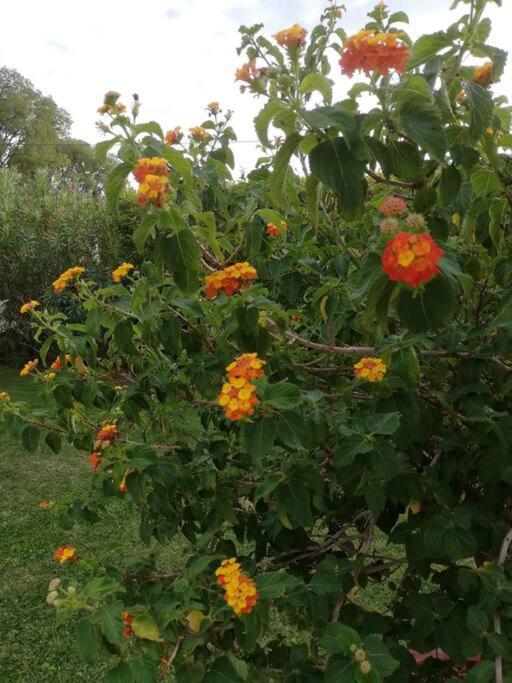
[
  {"x": 361, "y": 658},
  {"x": 273, "y": 230},
  {"x": 239, "y": 590},
  {"x": 238, "y": 395},
  {"x": 229, "y": 280}
]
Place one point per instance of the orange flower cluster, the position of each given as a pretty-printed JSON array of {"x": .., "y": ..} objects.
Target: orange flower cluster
[
  {"x": 483, "y": 74},
  {"x": 248, "y": 73},
  {"x": 45, "y": 504},
  {"x": 127, "y": 620},
  {"x": 172, "y": 137},
  {"x": 65, "y": 553},
  {"x": 393, "y": 206},
  {"x": 274, "y": 231},
  {"x": 153, "y": 175},
  {"x": 292, "y": 37},
  {"x": 229, "y": 280},
  {"x": 111, "y": 105},
  {"x": 238, "y": 395},
  {"x": 95, "y": 461},
  {"x": 239, "y": 590},
  {"x": 57, "y": 365},
  {"x": 368, "y": 50},
  {"x": 4, "y": 396},
  {"x": 213, "y": 107},
  {"x": 28, "y": 367},
  {"x": 64, "y": 279},
  {"x": 106, "y": 435},
  {"x": 29, "y": 306},
  {"x": 199, "y": 133},
  {"x": 122, "y": 484},
  {"x": 121, "y": 271},
  {"x": 411, "y": 258},
  {"x": 370, "y": 369}
]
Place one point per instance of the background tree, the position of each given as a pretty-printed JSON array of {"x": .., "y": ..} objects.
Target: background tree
[{"x": 31, "y": 124}]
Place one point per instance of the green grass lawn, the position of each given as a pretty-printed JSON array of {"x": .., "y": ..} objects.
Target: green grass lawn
[{"x": 33, "y": 648}]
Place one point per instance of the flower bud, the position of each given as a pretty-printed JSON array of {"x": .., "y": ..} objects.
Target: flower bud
[
  {"x": 51, "y": 597},
  {"x": 353, "y": 647},
  {"x": 71, "y": 590},
  {"x": 53, "y": 584},
  {"x": 365, "y": 667},
  {"x": 359, "y": 655}
]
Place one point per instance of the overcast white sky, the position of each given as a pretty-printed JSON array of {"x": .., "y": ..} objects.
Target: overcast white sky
[{"x": 177, "y": 54}]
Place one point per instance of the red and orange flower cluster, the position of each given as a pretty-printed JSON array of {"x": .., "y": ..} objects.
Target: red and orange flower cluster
[
  {"x": 152, "y": 175},
  {"x": 199, "y": 133},
  {"x": 295, "y": 36},
  {"x": 65, "y": 553},
  {"x": 127, "y": 620},
  {"x": 172, "y": 137},
  {"x": 60, "y": 284},
  {"x": 95, "y": 461},
  {"x": 411, "y": 258},
  {"x": 239, "y": 589},
  {"x": 273, "y": 230},
  {"x": 238, "y": 395},
  {"x": 248, "y": 73},
  {"x": 229, "y": 280},
  {"x": 484, "y": 74},
  {"x": 106, "y": 435},
  {"x": 369, "y": 50}
]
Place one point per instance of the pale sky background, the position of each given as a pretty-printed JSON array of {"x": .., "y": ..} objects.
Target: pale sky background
[{"x": 178, "y": 55}]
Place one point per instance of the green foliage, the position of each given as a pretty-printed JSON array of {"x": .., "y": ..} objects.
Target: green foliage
[{"x": 328, "y": 457}]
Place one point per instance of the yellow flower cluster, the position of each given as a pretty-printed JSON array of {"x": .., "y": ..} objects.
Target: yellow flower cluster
[
  {"x": 199, "y": 133},
  {"x": 370, "y": 369},
  {"x": 121, "y": 271},
  {"x": 64, "y": 279},
  {"x": 153, "y": 175},
  {"x": 28, "y": 367},
  {"x": 29, "y": 306},
  {"x": 239, "y": 590},
  {"x": 173, "y": 136},
  {"x": 4, "y": 396}
]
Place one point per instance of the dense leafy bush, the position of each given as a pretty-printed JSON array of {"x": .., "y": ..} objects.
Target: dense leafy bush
[
  {"x": 45, "y": 225},
  {"x": 343, "y": 378}
]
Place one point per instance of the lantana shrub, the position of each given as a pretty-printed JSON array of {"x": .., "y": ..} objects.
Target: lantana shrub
[{"x": 307, "y": 389}]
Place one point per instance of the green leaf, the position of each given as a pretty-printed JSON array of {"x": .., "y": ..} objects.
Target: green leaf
[
  {"x": 292, "y": 430},
  {"x": 419, "y": 116},
  {"x": 54, "y": 441},
  {"x": 102, "y": 586},
  {"x": 88, "y": 640},
  {"x": 119, "y": 674},
  {"x": 485, "y": 181},
  {"x": 101, "y": 149},
  {"x": 333, "y": 164},
  {"x": 312, "y": 198},
  {"x": 428, "y": 46},
  {"x": 398, "y": 17},
  {"x": 151, "y": 127},
  {"x": 481, "y": 107},
  {"x": 339, "y": 670},
  {"x": 319, "y": 82},
  {"x": 279, "y": 174},
  {"x": 406, "y": 365},
  {"x": 282, "y": 395},
  {"x": 427, "y": 310},
  {"x": 223, "y": 671},
  {"x": 181, "y": 255},
  {"x": 123, "y": 337},
  {"x": 178, "y": 162},
  {"x": 170, "y": 333},
  {"x": 379, "y": 656},
  {"x": 477, "y": 620},
  {"x": 30, "y": 438},
  {"x": 263, "y": 120},
  {"x": 406, "y": 162},
  {"x": 109, "y": 619},
  {"x": 449, "y": 185},
  {"x": 338, "y": 639},
  {"x": 144, "y": 230},
  {"x": 272, "y": 585},
  {"x": 483, "y": 672},
  {"x": 259, "y": 436},
  {"x": 144, "y": 669},
  {"x": 144, "y": 626},
  {"x": 339, "y": 118},
  {"x": 115, "y": 183},
  {"x": 383, "y": 423},
  {"x": 63, "y": 396}
]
